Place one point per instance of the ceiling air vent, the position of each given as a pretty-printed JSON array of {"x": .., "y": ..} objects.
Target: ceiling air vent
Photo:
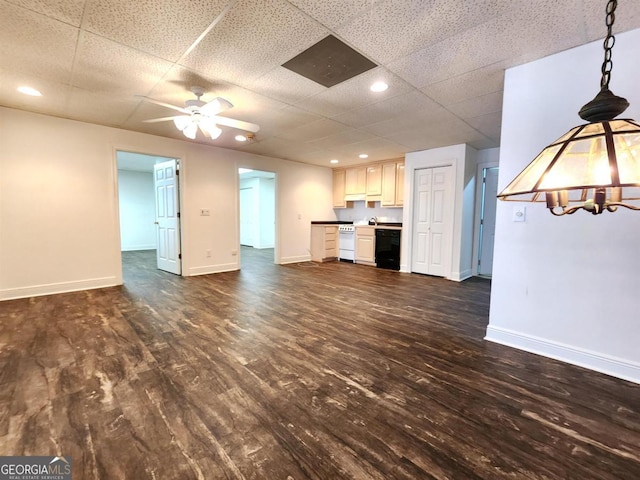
[{"x": 329, "y": 62}]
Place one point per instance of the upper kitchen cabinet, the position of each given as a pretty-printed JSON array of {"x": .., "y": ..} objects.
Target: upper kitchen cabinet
[
  {"x": 392, "y": 184},
  {"x": 374, "y": 182},
  {"x": 400, "y": 184},
  {"x": 339, "y": 184},
  {"x": 356, "y": 183}
]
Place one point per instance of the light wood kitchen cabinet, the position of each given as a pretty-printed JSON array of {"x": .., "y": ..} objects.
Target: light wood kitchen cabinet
[
  {"x": 324, "y": 243},
  {"x": 365, "y": 245},
  {"x": 400, "y": 184},
  {"x": 356, "y": 181},
  {"x": 339, "y": 184},
  {"x": 392, "y": 184},
  {"x": 374, "y": 181},
  {"x": 388, "y": 198}
]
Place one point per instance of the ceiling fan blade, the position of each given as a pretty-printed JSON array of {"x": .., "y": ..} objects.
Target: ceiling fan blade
[
  {"x": 162, "y": 119},
  {"x": 231, "y": 122},
  {"x": 216, "y": 106},
  {"x": 162, "y": 104}
]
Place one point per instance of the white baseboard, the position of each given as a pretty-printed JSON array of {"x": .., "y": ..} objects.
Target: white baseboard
[
  {"x": 460, "y": 276},
  {"x": 207, "y": 269},
  {"x": 55, "y": 288},
  {"x": 134, "y": 248},
  {"x": 297, "y": 259},
  {"x": 616, "y": 367}
]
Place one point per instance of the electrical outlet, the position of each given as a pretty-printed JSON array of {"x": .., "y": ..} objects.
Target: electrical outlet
[
  {"x": 234, "y": 252},
  {"x": 208, "y": 253}
]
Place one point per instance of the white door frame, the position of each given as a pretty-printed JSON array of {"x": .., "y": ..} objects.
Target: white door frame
[
  {"x": 478, "y": 212},
  {"x": 116, "y": 199}
]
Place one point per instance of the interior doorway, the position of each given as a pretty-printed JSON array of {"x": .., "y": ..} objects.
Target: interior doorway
[
  {"x": 487, "y": 221},
  {"x": 257, "y": 212},
  {"x": 148, "y": 203}
]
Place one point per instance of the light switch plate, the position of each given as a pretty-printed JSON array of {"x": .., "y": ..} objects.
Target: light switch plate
[
  {"x": 519, "y": 213},
  {"x": 204, "y": 212}
]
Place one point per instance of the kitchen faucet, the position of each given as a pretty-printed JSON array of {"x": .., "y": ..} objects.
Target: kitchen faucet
[{"x": 374, "y": 220}]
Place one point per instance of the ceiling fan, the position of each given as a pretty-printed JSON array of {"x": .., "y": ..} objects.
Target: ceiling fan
[{"x": 203, "y": 115}]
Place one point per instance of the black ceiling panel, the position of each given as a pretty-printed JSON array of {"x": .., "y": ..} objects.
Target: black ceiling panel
[{"x": 329, "y": 62}]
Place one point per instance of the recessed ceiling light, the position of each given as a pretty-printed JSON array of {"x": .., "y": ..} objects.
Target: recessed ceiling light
[
  {"x": 334, "y": 161},
  {"x": 32, "y": 92},
  {"x": 379, "y": 87},
  {"x": 241, "y": 138},
  {"x": 363, "y": 155}
]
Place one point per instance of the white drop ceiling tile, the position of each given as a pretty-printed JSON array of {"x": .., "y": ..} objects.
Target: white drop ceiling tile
[
  {"x": 318, "y": 157},
  {"x": 345, "y": 137},
  {"x": 489, "y": 124},
  {"x": 108, "y": 110},
  {"x": 436, "y": 133},
  {"x": 410, "y": 121},
  {"x": 275, "y": 121},
  {"x": 627, "y": 18},
  {"x": 35, "y": 44},
  {"x": 285, "y": 85},
  {"x": 387, "y": 109},
  {"x": 474, "y": 107},
  {"x": 312, "y": 131},
  {"x": 276, "y": 147},
  {"x": 483, "y": 143},
  {"x": 252, "y": 39},
  {"x": 68, "y": 11},
  {"x": 137, "y": 71},
  {"x": 468, "y": 85},
  {"x": 535, "y": 29},
  {"x": 163, "y": 28},
  {"x": 333, "y": 13},
  {"x": 395, "y": 28},
  {"x": 378, "y": 148},
  {"x": 355, "y": 93},
  {"x": 53, "y": 99}
]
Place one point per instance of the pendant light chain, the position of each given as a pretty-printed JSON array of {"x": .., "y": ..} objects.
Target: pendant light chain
[{"x": 609, "y": 42}]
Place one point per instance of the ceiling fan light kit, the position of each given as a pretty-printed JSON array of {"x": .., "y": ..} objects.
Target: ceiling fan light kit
[
  {"x": 197, "y": 114},
  {"x": 595, "y": 165}
]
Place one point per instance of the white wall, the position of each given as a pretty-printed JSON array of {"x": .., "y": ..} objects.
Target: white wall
[
  {"x": 59, "y": 226},
  {"x": 137, "y": 210},
  {"x": 261, "y": 211},
  {"x": 267, "y": 215},
  {"x": 566, "y": 287},
  {"x": 360, "y": 211},
  {"x": 463, "y": 160}
]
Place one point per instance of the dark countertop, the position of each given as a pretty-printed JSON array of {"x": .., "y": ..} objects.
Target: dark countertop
[{"x": 386, "y": 224}]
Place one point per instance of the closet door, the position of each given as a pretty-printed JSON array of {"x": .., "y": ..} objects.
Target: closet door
[{"x": 433, "y": 219}]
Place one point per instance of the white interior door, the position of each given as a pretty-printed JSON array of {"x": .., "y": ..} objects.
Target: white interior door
[
  {"x": 487, "y": 220},
  {"x": 167, "y": 216},
  {"x": 431, "y": 243}
]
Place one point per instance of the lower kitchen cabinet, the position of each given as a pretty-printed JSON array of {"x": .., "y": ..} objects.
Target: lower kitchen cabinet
[
  {"x": 324, "y": 243},
  {"x": 365, "y": 246}
]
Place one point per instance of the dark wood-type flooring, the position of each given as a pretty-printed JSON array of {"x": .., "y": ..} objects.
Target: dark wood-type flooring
[{"x": 305, "y": 371}]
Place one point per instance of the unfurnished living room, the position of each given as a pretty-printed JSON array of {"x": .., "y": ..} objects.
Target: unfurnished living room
[{"x": 292, "y": 239}]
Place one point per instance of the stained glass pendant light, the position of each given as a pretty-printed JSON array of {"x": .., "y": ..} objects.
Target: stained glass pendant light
[{"x": 595, "y": 166}]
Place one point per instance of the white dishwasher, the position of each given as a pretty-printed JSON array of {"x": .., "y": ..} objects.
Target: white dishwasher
[{"x": 346, "y": 242}]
